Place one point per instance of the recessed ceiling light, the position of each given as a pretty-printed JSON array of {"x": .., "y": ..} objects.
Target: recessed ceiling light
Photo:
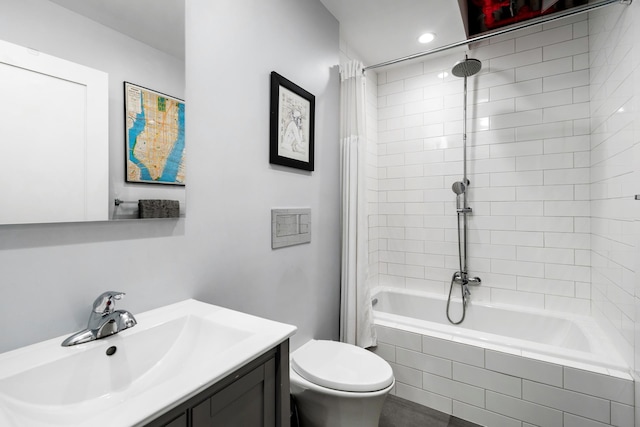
[{"x": 426, "y": 38}]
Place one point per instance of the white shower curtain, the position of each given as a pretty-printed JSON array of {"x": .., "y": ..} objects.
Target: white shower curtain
[{"x": 356, "y": 317}]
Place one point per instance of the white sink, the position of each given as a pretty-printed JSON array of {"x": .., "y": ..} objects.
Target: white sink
[{"x": 173, "y": 353}]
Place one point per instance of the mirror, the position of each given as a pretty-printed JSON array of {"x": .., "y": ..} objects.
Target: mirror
[{"x": 140, "y": 42}]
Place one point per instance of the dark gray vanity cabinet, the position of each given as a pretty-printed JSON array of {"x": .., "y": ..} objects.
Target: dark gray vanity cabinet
[
  {"x": 256, "y": 395},
  {"x": 249, "y": 401}
]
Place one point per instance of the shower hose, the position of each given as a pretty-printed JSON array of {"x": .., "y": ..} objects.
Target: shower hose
[{"x": 463, "y": 279}]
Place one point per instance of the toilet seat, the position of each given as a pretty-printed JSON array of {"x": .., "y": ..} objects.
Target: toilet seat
[{"x": 341, "y": 366}]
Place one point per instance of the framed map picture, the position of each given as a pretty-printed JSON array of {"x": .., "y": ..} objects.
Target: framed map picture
[
  {"x": 154, "y": 134},
  {"x": 292, "y": 124}
]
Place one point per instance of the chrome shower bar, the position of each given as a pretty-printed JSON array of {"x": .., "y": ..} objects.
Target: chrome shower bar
[{"x": 508, "y": 29}]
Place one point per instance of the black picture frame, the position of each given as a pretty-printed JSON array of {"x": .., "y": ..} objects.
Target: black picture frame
[{"x": 292, "y": 124}]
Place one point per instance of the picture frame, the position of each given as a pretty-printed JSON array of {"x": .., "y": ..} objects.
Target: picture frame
[
  {"x": 154, "y": 137},
  {"x": 292, "y": 124}
]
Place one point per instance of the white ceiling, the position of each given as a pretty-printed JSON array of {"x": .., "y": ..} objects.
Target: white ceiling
[
  {"x": 382, "y": 30},
  {"x": 158, "y": 23},
  {"x": 377, "y": 30}
]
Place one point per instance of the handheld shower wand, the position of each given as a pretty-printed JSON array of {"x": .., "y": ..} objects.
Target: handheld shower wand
[{"x": 459, "y": 188}]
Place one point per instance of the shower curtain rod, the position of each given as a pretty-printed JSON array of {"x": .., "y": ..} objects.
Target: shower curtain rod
[{"x": 505, "y": 30}]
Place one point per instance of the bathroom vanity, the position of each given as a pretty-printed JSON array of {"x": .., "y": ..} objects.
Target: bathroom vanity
[
  {"x": 185, "y": 364},
  {"x": 256, "y": 395}
]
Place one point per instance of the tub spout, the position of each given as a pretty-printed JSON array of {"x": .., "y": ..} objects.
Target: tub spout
[{"x": 466, "y": 293}]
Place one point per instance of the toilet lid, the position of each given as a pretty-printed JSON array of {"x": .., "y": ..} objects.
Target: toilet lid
[{"x": 341, "y": 366}]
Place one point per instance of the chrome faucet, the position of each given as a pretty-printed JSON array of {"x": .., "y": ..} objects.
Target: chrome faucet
[
  {"x": 465, "y": 281},
  {"x": 104, "y": 320}
]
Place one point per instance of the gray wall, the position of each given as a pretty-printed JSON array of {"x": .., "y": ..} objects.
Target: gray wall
[{"x": 221, "y": 252}]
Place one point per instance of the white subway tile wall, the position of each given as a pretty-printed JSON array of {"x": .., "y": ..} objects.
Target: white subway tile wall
[
  {"x": 553, "y": 163},
  {"x": 373, "y": 184},
  {"x": 614, "y": 71},
  {"x": 529, "y": 167},
  {"x": 498, "y": 389}
]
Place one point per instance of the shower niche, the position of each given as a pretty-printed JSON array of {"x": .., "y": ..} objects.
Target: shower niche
[{"x": 488, "y": 15}]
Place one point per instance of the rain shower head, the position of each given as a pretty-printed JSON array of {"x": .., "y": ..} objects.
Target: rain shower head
[{"x": 466, "y": 68}]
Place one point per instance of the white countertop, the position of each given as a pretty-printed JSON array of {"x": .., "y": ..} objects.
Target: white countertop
[{"x": 172, "y": 354}]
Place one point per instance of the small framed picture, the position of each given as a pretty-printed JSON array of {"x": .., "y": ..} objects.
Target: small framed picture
[
  {"x": 292, "y": 124},
  {"x": 154, "y": 135}
]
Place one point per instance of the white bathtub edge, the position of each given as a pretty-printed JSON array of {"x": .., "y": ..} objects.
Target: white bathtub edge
[{"x": 613, "y": 365}]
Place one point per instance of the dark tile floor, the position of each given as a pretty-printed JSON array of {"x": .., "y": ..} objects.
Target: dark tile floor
[{"x": 398, "y": 412}]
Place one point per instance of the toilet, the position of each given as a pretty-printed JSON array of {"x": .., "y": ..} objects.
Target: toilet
[{"x": 339, "y": 385}]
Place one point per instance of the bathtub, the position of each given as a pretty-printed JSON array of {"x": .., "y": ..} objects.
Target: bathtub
[{"x": 503, "y": 365}]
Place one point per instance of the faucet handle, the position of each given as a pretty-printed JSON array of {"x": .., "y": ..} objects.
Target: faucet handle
[{"x": 105, "y": 303}]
